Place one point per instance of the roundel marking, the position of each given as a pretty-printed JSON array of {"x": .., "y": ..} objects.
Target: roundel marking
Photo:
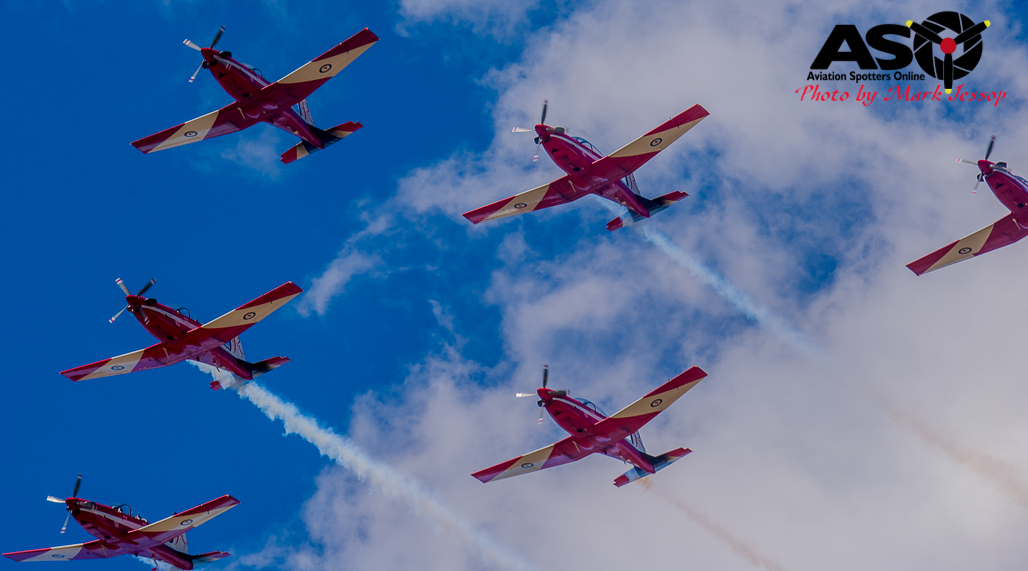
[
  {"x": 249, "y": 316},
  {"x": 656, "y": 142},
  {"x": 118, "y": 368},
  {"x": 186, "y": 522},
  {"x": 520, "y": 205},
  {"x": 656, "y": 403},
  {"x": 57, "y": 555},
  {"x": 190, "y": 133},
  {"x": 325, "y": 68},
  {"x": 527, "y": 465},
  {"x": 964, "y": 251}
]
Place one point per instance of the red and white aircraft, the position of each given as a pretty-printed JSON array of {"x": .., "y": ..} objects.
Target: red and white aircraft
[
  {"x": 258, "y": 100},
  {"x": 1012, "y": 191},
  {"x": 590, "y": 173},
  {"x": 181, "y": 337},
  {"x": 592, "y": 431},
  {"x": 119, "y": 532}
]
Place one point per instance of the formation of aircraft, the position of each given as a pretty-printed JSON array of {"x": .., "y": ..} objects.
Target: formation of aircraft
[
  {"x": 180, "y": 337},
  {"x": 257, "y": 100},
  {"x": 120, "y": 532},
  {"x": 593, "y": 432},
  {"x": 1012, "y": 192},
  {"x": 588, "y": 172}
]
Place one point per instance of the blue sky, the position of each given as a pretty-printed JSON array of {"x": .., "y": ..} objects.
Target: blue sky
[{"x": 810, "y": 210}]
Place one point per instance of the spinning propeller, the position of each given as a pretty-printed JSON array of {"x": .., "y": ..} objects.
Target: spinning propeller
[
  {"x": 198, "y": 48},
  {"x": 537, "y": 143},
  {"x": 981, "y": 176},
  {"x": 57, "y": 500},
  {"x": 546, "y": 377},
  {"x": 948, "y": 45},
  {"x": 125, "y": 289}
]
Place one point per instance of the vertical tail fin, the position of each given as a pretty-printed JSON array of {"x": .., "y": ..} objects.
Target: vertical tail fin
[{"x": 179, "y": 544}]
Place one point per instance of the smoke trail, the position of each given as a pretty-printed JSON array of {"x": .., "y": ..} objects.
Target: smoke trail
[
  {"x": 719, "y": 533},
  {"x": 736, "y": 298},
  {"x": 382, "y": 476},
  {"x": 1007, "y": 478}
]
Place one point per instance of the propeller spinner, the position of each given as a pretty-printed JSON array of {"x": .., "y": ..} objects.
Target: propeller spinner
[
  {"x": 56, "y": 500},
  {"x": 542, "y": 121},
  {"x": 980, "y": 176},
  {"x": 546, "y": 377},
  {"x": 189, "y": 43},
  {"x": 125, "y": 289}
]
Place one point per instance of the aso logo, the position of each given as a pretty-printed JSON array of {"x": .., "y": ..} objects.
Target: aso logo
[{"x": 946, "y": 46}]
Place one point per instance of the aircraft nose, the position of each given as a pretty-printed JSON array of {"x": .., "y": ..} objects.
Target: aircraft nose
[
  {"x": 208, "y": 54},
  {"x": 985, "y": 166}
]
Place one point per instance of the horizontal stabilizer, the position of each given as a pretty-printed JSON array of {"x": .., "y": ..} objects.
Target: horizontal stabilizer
[
  {"x": 654, "y": 206},
  {"x": 208, "y": 557},
  {"x": 659, "y": 463},
  {"x": 328, "y": 137},
  {"x": 256, "y": 369}
]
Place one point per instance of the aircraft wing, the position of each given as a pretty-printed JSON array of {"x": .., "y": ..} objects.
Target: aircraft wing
[
  {"x": 91, "y": 550},
  {"x": 627, "y": 159},
  {"x": 152, "y": 357},
  {"x": 631, "y": 418},
  {"x": 228, "y": 326},
  {"x": 1003, "y": 232},
  {"x": 228, "y": 119},
  {"x": 544, "y": 196},
  {"x": 295, "y": 87},
  {"x": 169, "y": 528},
  {"x": 557, "y": 454}
]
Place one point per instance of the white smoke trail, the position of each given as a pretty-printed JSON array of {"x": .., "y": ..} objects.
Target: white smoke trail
[
  {"x": 1005, "y": 477},
  {"x": 738, "y": 546},
  {"x": 382, "y": 476},
  {"x": 736, "y": 298}
]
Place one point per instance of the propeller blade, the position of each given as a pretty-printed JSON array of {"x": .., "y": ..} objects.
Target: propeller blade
[
  {"x": 972, "y": 31},
  {"x": 65, "y": 526},
  {"x": 147, "y": 286},
  {"x": 967, "y": 161},
  {"x": 78, "y": 483},
  {"x": 218, "y": 36},
  {"x": 545, "y": 103},
  {"x": 541, "y": 411},
  {"x": 524, "y": 395},
  {"x": 196, "y": 73},
  {"x": 117, "y": 315},
  {"x": 122, "y": 285},
  {"x": 54, "y": 500},
  {"x": 522, "y": 130},
  {"x": 191, "y": 44},
  {"x": 536, "y": 157},
  {"x": 924, "y": 32},
  {"x": 546, "y": 374},
  {"x": 989, "y": 150}
]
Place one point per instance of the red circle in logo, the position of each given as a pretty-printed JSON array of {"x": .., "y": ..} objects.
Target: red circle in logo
[{"x": 948, "y": 46}]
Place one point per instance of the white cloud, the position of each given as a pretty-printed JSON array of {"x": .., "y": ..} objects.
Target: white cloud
[
  {"x": 807, "y": 463},
  {"x": 260, "y": 153}
]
